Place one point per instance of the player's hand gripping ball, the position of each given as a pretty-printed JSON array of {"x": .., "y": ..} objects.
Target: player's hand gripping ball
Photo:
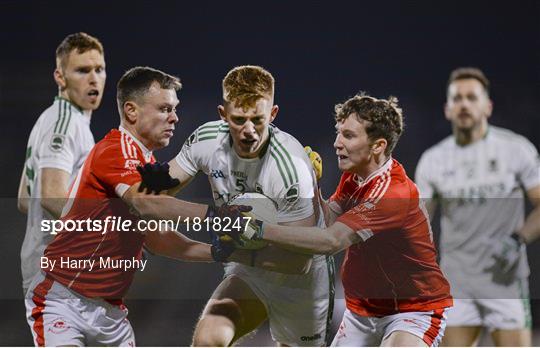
[
  {"x": 263, "y": 210},
  {"x": 316, "y": 161}
]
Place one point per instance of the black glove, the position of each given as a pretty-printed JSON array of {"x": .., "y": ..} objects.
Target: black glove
[
  {"x": 234, "y": 212},
  {"x": 155, "y": 178},
  {"x": 221, "y": 249},
  {"x": 507, "y": 252}
]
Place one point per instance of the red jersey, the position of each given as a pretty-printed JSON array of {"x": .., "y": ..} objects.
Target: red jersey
[
  {"x": 395, "y": 269},
  {"x": 109, "y": 170}
]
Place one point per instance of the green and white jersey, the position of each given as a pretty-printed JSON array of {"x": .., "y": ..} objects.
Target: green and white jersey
[
  {"x": 283, "y": 171},
  {"x": 61, "y": 138},
  {"x": 480, "y": 187}
]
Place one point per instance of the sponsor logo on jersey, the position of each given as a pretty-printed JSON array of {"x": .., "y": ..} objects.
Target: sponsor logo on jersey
[
  {"x": 57, "y": 142},
  {"x": 239, "y": 174},
  {"x": 292, "y": 193},
  {"x": 216, "y": 174},
  {"x": 132, "y": 164}
]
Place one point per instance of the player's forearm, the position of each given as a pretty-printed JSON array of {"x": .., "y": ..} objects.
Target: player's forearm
[
  {"x": 310, "y": 240},
  {"x": 53, "y": 205},
  {"x": 531, "y": 229},
  {"x": 165, "y": 207},
  {"x": 175, "y": 245}
]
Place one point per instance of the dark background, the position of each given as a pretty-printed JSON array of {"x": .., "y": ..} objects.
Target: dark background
[{"x": 320, "y": 53}]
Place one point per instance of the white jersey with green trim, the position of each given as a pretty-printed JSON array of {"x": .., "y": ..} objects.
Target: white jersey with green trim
[
  {"x": 61, "y": 139},
  {"x": 480, "y": 187},
  {"x": 283, "y": 172}
]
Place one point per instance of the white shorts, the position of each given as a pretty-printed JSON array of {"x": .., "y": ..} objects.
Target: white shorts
[
  {"x": 359, "y": 331},
  {"x": 58, "y": 316},
  {"x": 478, "y": 301},
  {"x": 493, "y": 314},
  {"x": 299, "y": 307}
]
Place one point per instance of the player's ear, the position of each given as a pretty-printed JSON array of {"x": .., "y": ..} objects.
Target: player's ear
[
  {"x": 130, "y": 111},
  {"x": 59, "y": 78},
  {"x": 221, "y": 112},
  {"x": 489, "y": 108},
  {"x": 447, "y": 112},
  {"x": 273, "y": 112},
  {"x": 379, "y": 146}
]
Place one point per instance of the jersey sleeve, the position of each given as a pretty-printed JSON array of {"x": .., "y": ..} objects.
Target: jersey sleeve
[
  {"x": 115, "y": 170},
  {"x": 337, "y": 200},
  {"x": 422, "y": 178},
  {"x": 379, "y": 214},
  {"x": 189, "y": 157},
  {"x": 528, "y": 165},
  {"x": 297, "y": 200},
  {"x": 59, "y": 148}
]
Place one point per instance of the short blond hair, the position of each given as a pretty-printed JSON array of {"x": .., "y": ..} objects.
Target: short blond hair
[
  {"x": 246, "y": 84},
  {"x": 81, "y": 42},
  {"x": 384, "y": 117}
]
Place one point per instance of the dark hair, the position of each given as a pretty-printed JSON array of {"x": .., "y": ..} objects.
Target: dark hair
[
  {"x": 81, "y": 42},
  {"x": 384, "y": 117},
  {"x": 469, "y": 73},
  {"x": 137, "y": 81}
]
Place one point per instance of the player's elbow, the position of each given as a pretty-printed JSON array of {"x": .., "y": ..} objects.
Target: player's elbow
[{"x": 22, "y": 205}]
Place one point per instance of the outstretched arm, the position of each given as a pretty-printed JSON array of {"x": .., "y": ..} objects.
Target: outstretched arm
[
  {"x": 312, "y": 240},
  {"x": 276, "y": 258},
  {"x": 175, "y": 245}
]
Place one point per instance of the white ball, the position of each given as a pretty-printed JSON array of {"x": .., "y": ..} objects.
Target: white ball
[{"x": 263, "y": 208}]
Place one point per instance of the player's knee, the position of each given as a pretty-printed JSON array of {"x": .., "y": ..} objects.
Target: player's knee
[
  {"x": 217, "y": 324},
  {"x": 224, "y": 308}
]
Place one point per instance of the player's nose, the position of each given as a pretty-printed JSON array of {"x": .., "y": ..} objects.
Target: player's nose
[
  {"x": 173, "y": 117},
  {"x": 249, "y": 127},
  {"x": 92, "y": 77},
  {"x": 337, "y": 142}
]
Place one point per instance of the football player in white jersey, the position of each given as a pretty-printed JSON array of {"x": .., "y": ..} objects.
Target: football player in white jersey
[
  {"x": 479, "y": 176},
  {"x": 243, "y": 152},
  {"x": 59, "y": 142}
]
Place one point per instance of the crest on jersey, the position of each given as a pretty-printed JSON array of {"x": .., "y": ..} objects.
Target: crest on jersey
[
  {"x": 57, "y": 142},
  {"x": 292, "y": 193},
  {"x": 191, "y": 140},
  {"x": 258, "y": 188},
  {"x": 493, "y": 166},
  {"x": 132, "y": 164}
]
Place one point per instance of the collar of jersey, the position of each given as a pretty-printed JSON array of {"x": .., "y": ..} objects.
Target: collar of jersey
[
  {"x": 386, "y": 166},
  {"x": 147, "y": 153},
  {"x": 70, "y": 103}
]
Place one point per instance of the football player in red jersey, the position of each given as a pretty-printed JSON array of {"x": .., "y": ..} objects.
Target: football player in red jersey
[
  {"x": 395, "y": 293},
  {"x": 76, "y": 299}
]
